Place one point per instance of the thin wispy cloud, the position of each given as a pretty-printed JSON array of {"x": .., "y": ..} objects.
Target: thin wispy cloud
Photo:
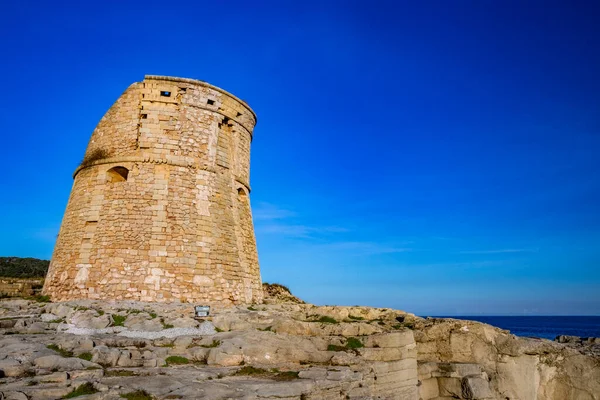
[
  {"x": 268, "y": 212},
  {"x": 274, "y": 220},
  {"x": 475, "y": 264},
  {"x": 296, "y": 230},
  {"x": 499, "y": 251},
  {"x": 365, "y": 248}
]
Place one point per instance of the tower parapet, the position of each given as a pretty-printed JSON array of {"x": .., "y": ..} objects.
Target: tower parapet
[{"x": 159, "y": 209}]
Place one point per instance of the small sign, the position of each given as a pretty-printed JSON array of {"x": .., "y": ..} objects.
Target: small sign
[{"x": 202, "y": 311}]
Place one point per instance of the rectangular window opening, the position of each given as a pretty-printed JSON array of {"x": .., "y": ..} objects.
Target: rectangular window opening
[
  {"x": 210, "y": 102},
  {"x": 144, "y": 116},
  {"x": 164, "y": 93}
]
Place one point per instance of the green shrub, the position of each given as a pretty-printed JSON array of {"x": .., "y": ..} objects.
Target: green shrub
[
  {"x": 82, "y": 390},
  {"x": 168, "y": 326},
  {"x": 176, "y": 360},
  {"x": 351, "y": 344},
  {"x": 215, "y": 343},
  {"x": 250, "y": 370},
  {"x": 287, "y": 376},
  {"x": 252, "y": 308},
  {"x": 152, "y": 315},
  {"x": 16, "y": 267},
  {"x": 354, "y": 343},
  {"x": 354, "y": 317},
  {"x": 85, "y": 356},
  {"x": 218, "y": 329},
  {"x": 137, "y": 395},
  {"x": 327, "y": 320},
  {"x": 40, "y": 298},
  {"x": 119, "y": 372},
  {"x": 277, "y": 285},
  {"x": 118, "y": 320},
  {"x": 274, "y": 373},
  {"x": 62, "y": 352},
  {"x": 409, "y": 325}
]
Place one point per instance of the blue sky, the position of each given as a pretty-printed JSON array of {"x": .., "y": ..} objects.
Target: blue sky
[{"x": 436, "y": 157}]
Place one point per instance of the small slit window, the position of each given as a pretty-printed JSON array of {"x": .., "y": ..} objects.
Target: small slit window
[
  {"x": 117, "y": 174},
  {"x": 164, "y": 93},
  {"x": 242, "y": 193},
  {"x": 144, "y": 116},
  {"x": 239, "y": 114},
  {"x": 210, "y": 102}
]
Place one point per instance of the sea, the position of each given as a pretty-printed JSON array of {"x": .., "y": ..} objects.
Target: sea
[{"x": 546, "y": 327}]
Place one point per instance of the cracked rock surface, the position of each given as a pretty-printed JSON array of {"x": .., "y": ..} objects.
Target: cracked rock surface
[{"x": 107, "y": 350}]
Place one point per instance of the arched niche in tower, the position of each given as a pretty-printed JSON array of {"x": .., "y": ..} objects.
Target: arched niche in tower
[{"x": 117, "y": 174}]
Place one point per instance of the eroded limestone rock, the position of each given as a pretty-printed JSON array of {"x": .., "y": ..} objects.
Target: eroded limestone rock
[{"x": 286, "y": 351}]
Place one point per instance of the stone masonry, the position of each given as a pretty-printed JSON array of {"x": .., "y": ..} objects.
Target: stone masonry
[{"x": 159, "y": 209}]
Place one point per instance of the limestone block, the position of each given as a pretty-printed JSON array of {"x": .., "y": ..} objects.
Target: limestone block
[
  {"x": 56, "y": 377},
  {"x": 198, "y": 353},
  {"x": 474, "y": 387},
  {"x": 184, "y": 322},
  {"x": 429, "y": 389},
  {"x": 394, "y": 339},
  {"x": 60, "y": 310},
  {"x": 344, "y": 375},
  {"x": 343, "y": 358},
  {"x": 13, "y": 395},
  {"x": 105, "y": 356},
  {"x": 183, "y": 342},
  {"x": 393, "y": 366},
  {"x": 313, "y": 373},
  {"x": 226, "y": 355},
  {"x": 142, "y": 323},
  {"x": 62, "y": 363},
  {"x": 89, "y": 319},
  {"x": 389, "y": 354},
  {"x": 46, "y": 317},
  {"x": 87, "y": 374},
  {"x": 12, "y": 368},
  {"x": 450, "y": 387}
]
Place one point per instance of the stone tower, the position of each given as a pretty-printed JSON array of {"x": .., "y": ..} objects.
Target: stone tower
[{"x": 159, "y": 209}]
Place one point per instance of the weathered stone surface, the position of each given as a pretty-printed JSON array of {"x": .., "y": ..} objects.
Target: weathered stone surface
[
  {"x": 63, "y": 364},
  {"x": 159, "y": 208},
  {"x": 12, "y": 367},
  {"x": 143, "y": 323},
  {"x": 12, "y": 395},
  {"x": 450, "y": 359},
  {"x": 184, "y": 322},
  {"x": 105, "y": 356},
  {"x": 474, "y": 387},
  {"x": 56, "y": 377},
  {"x": 46, "y": 317},
  {"x": 393, "y": 339},
  {"x": 89, "y": 319},
  {"x": 469, "y": 352}
]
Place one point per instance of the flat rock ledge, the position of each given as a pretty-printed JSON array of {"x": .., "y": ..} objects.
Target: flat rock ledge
[{"x": 115, "y": 350}]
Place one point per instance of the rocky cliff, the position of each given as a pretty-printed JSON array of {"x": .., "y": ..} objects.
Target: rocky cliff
[{"x": 114, "y": 350}]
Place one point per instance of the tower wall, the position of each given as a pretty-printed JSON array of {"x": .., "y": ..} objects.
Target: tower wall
[{"x": 159, "y": 209}]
